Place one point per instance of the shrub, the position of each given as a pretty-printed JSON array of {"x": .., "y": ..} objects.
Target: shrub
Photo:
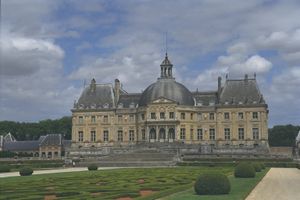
[
  {"x": 92, "y": 167},
  {"x": 4, "y": 168},
  {"x": 26, "y": 171},
  {"x": 212, "y": 184},
  {"x": 244, "y": 170},
  {"x": 257, "y": 166},
  {"x": 263, "y": 166}
]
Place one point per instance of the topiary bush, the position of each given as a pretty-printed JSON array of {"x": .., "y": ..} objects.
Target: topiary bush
[
  {"x": 92, "y": 167},
  {"x": 257, "y": 166},
  {"x": 212, "y": 184},
  {"x": 4, "y": 168},
  {"x": 25, "y": 171},
  {"x": 244, "y": 170}
]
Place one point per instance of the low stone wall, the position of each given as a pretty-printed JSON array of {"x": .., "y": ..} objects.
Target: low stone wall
[{"x": 281, "y": 151}]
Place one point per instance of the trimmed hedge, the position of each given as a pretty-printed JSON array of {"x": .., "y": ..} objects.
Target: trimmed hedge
[
  {"x": 4, "y": 168},
  {"x": 263, "y": 166},
  {"x": 26, "y": 171},
  {"x": 212, "y": 184},
  {"x": 257, "y": 166},
  {"x": 244, "y": 170},
  {"x": 92, "y": 167}
]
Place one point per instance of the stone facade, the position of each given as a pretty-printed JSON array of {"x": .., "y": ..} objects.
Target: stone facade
[{"x": 235, "y": 116}]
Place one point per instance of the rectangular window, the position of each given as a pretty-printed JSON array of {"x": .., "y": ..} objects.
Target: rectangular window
[
  {"x": 131, "y": 118},
  {"x": 255, "y": 133},
  {"x": 171, "y": 115},
  {"x": 143, "y": 134},
  {"x": 241, "y": 115},
  {"x": 105, "y": 136},
  {"x": 93, "y": 119},
  {"x": 199, "y": 134},
  {"x": 192, "y": 116},
  {"x": 199, "y": 115},
  {"x": 80, "y": 119},
  {"x": 162, "y": 115},
  {"x": 105, "y": 119},
  {"x": 153, "y": 116},
  {"x": 131, "y": 135},
  {"x": 93, "y": 136},
  {"x": 192, "y": 134},
  {"x": 227, "y": 133},
  {"x": 226, "y": 116},
  {"x": 255, "y": 115},
  {"x": 182, "y": 133},
  {"x": 143, "y": 116},
  {"x": 212, "y": 116},
  {"x": 241, "y": 133},
  {"x": 80, "y": 136},
  {"x": 120, "y": 136},
  {"x": 212, "y": 135},
  {"x": 120, "y": 118},
  {"x": 182, "y": 115}
]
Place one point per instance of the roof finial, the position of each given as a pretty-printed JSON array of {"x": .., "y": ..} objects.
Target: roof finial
[{"x": 166, "y": 44}]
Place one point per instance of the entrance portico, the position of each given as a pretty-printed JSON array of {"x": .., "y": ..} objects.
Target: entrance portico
[{"x": 161, "y": 133}]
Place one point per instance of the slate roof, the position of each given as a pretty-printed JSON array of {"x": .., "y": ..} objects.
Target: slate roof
[
  {"x": 101, "y": 97},
  {"x": 51, "y": 140},
  {"x": 128, "y": 100},
  {"x": 9, "y": 138},
  {"x": 21, "y": 146},
  {"x": 206, "y": 98},
  {"x": 243, "y": 91}
]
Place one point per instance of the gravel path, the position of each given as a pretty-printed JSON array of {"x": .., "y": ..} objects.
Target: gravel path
[{"x": 278, "y": 184}]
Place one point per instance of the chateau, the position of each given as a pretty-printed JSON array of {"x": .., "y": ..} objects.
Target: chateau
[{"x": 233, "y": 118}]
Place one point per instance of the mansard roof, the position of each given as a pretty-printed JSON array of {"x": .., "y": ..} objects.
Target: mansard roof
[
  {"x": 51, "y": 140},
  {"x": 102, "y": 96},
  {"x": 129, "y": 100},
  {"x": 205, "y": 98},
  {"x": 242, "y": 91}
]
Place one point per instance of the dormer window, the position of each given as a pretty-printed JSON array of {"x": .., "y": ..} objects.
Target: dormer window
[
  {"x": 106, "y": 105},
  {"x": 211, "y": 103},
  {"x": 131, "y": 105},
  {"x": 120, "y": 105}
]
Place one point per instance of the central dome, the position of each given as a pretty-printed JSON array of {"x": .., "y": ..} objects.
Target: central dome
[{"x": 169, "y": 89}]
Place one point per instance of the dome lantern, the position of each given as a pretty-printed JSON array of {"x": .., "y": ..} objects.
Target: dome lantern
[{"x": 166, "y": 68}]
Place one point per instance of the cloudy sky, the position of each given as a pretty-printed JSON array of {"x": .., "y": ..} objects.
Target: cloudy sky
[{"x": 49, "y": 48}]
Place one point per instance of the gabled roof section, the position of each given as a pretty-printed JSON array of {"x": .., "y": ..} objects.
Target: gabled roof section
[
  {"x": 130, "y": 100},
  {"x": 243, "y": 91},
  {"x": 51, "y": 140},
  {"x": 205, "y": 98},
  {"x": 97, "y": 97},
  {"x": 21, "y": 146},
  {"x": 9, "y": 138}
]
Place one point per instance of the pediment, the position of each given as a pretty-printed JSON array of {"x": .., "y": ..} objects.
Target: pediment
[{"x": 162, "y": 100}]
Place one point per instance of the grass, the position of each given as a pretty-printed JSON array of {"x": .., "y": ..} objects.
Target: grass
[
  {"x": 106, "y": 184},
  {"x": 240, "y": 189}
]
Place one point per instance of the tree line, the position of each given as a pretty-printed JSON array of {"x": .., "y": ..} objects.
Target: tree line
[
  {"x": 33, "y": 130},
  {"x": 280, "y": 135}
]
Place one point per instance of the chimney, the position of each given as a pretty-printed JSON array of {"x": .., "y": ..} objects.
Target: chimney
[
  {"x": 93, "y": 85},
  {"x": 117, "y": 90},
  {"x": 219, "y": 83},
  {"x": 246, "y": 77}
]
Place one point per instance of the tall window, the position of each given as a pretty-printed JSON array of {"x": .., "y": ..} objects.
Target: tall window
[
  {"x": 192, "y": 134},
  {"x": 80, "y": 136},
  {"x": 227, "y": 133},
  {"x": 93, "y": 136},
  {"x": 105, "y": 136},
  {"x": 131, "y": 135},
  {"x": 131, "y": 118},
  {"x": 182, "y": 116},
  {"x": 162, "y": 115},
  {"x": 199, "y": 115},
  {"x": 120, "y": 118},
  {"x": 143, "y": 134},
  {"x": 192, "y": 116},
  {"x": 199, "y": 134},
  {"x": 153, "y": 115},
  {"x": 171, "y": 115},
  {"x": 143, "y": 116},
  {"x": 80, "y": 119},
  {"x": 226, "y": 116},
  {"x": 241, "y": 115},
  {"x": 255, "y": 133},
  {"x": 93, "y": 119},
  {"x": 105, "y": 119},
  {"x": 211, "y": 116},
  {"x": 182, "y": 133},
  {"x": 255, "y": 115},
  {"x": 120, "y": 136},
  {"x": 241, "y": 133},
  {"x": 212, "y": 135}
]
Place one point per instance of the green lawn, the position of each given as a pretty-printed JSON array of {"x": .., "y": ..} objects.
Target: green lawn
[
  {"x": 106, "y": 184},
  {"x": 240, "y": 188}
]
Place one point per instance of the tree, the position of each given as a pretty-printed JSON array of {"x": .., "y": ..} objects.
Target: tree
[{"x": 283, "y": 135}]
